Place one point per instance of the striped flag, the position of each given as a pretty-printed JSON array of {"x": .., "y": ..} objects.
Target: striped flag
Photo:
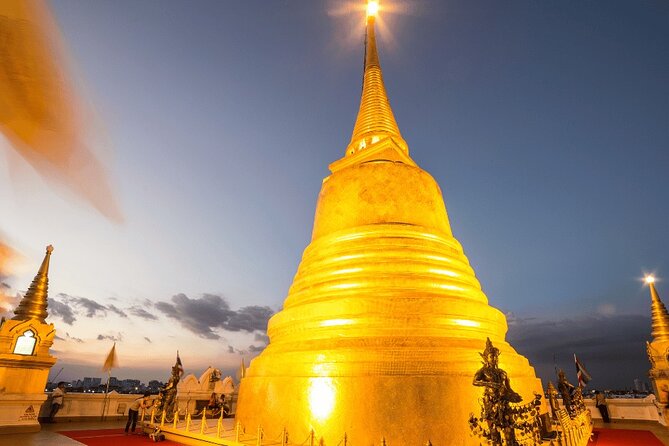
[{"x": 581, "y": 373}]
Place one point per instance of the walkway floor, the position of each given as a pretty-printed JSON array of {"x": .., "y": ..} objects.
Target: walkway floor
[
  {"x": 661, "y": 432},
  {"x": 49, "y": 436}
]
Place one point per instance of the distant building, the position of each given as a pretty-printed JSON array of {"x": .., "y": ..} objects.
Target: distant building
[{"x": 91, "y": 383}]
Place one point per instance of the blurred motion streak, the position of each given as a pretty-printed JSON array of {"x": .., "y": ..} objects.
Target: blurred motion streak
[
  {"x": 7, "y": 301},
  {"x": 41, "y": 115}
]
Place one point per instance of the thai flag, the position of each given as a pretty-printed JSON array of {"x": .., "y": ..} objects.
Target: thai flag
[{"x": 581, "y": 373}]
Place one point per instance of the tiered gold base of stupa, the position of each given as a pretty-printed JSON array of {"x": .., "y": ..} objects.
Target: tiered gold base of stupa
[{"x": 381, "y": 331}]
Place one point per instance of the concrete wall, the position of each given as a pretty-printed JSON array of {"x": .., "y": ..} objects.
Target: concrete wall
[
  {"x": 88, "y": 406},
  {"x": 638, "y": 409}
]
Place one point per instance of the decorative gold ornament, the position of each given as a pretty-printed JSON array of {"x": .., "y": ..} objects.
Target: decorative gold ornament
[
  {"x": 34, "y": 303},
  {"x": 503, "y": 422}
]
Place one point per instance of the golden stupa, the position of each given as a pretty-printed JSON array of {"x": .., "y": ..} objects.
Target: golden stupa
[
  {"x": 379, "y": 337},
  {"x": 658, "y": 348}
]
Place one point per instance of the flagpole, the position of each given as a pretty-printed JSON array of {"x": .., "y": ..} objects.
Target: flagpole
[{"x": 104, "y": 402}]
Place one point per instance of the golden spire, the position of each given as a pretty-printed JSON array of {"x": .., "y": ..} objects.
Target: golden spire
[
  {"x": 659, "y": 314},
  {"x": 34, "y": 303},
  {"x": 375, "y": 117}
]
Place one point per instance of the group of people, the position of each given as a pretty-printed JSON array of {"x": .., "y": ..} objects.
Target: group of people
[{"x": 215, "y": 404}]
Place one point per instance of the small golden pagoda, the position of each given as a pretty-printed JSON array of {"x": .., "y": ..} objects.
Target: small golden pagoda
[
  {"x": 658, "y": 348},
  {"x": 381, "y": 331},
  {"x": 24, "y": 356}
]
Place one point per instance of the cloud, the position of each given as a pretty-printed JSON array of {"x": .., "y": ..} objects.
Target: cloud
[
  {"x": 91, "y": 307},
  {"x": 77, "y": 340},
  {"x": 210, "y": 312},
  {"x": 248, "y": 319},
  {"x": 606, "y": 309},
  {"x": 116, "y": 310},
  {"x": 262, "y": 337},
  {"x": 8, "y": 302},
  {"x": 612, "y": 348},
  {"x": 256, "y": 349},
  {"x": 142, "y": 313},
  {"x": 231, "y": 349},
  {"x": 110, "y": 337},
  {"x": 61, "y": 310}
]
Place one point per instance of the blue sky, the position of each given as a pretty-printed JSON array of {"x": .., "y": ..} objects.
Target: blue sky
[{"x": 546, "y": 124}]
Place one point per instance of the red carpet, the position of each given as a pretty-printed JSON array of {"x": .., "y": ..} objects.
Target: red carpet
[
  {"x": 111, "y": 437},
  {"x": 623, "y": 437}
]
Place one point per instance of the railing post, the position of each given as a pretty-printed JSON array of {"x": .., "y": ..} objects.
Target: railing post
[
  {"x": 162, "y": 418},
  {"x": 188, "y": 419},
  {"x": 176, "y": 417},
  {"x": 259, "y": 440},
  {"x": 311, "y": 438},
  {"x": 284, "y": 437},
  {"x": 141, "y": 419},
  {"x": 153, "y": 414},
  {"x": 383, "y": 441},
  {"x": 345, "y": 439},
  {"x": 204, "y": 421},
  {"x": 219, "y": 426},
  {"x": 237, "y": 427}
]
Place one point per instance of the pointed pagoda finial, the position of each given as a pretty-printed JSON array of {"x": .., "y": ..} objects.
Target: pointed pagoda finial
[
  {"x": 34, "y": 303},
  {"x": 659, "y": 314},
  {"x": 375, "y": 120}
]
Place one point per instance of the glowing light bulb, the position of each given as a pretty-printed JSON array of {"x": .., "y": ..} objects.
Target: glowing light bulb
[
  {"x": 650, "y": 279},
  {"x": 372, "y": 8}
]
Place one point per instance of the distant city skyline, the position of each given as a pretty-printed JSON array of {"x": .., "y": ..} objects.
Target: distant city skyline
[{"x": 545, "y": 125}]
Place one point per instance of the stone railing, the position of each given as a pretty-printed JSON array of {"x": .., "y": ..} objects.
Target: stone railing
[
  {"x": 637, "y": 409},
  {"x": 88, "y": 406},
  {"x": 574, "y": 431}
]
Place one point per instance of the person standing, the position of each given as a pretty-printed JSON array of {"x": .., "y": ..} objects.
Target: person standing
[
  {"x": 56, "y": 400},
  {"x": 133, "y": 412},
  {"x": 600, "y": 403}
]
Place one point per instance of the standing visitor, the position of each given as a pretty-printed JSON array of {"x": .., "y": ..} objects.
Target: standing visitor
[
  {"x": 56, "y": 400},
  {"x": 140, "y": 403},
  {"x": 600, "y": 403}
]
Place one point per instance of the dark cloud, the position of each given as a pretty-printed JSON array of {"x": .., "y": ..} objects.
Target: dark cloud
[
  {"x": 231, "y": 349},
  {"x": 72, "y": 338},
  {"x": 248, "y": 319},
  {"x": 116, "y": 310},
  {"x": 58, "y": 338},
  {"x": 256, "y": 349},
  {"x": 142, "y": 313},
  {"x": 202, "y": 316},
  {"x": 262, "y": 337},
  {"x": 147, "y": 339},
  {"x": 90, "y": 307},
  {"x": 612, "y": 348},
  {"x": 61, "y": 310},
  {"x": 110, "y": 337}
]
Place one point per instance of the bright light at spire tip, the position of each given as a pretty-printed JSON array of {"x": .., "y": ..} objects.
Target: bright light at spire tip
[
  {"x": 649, "y": 279},
  {"x": 372, "y": 8}
]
